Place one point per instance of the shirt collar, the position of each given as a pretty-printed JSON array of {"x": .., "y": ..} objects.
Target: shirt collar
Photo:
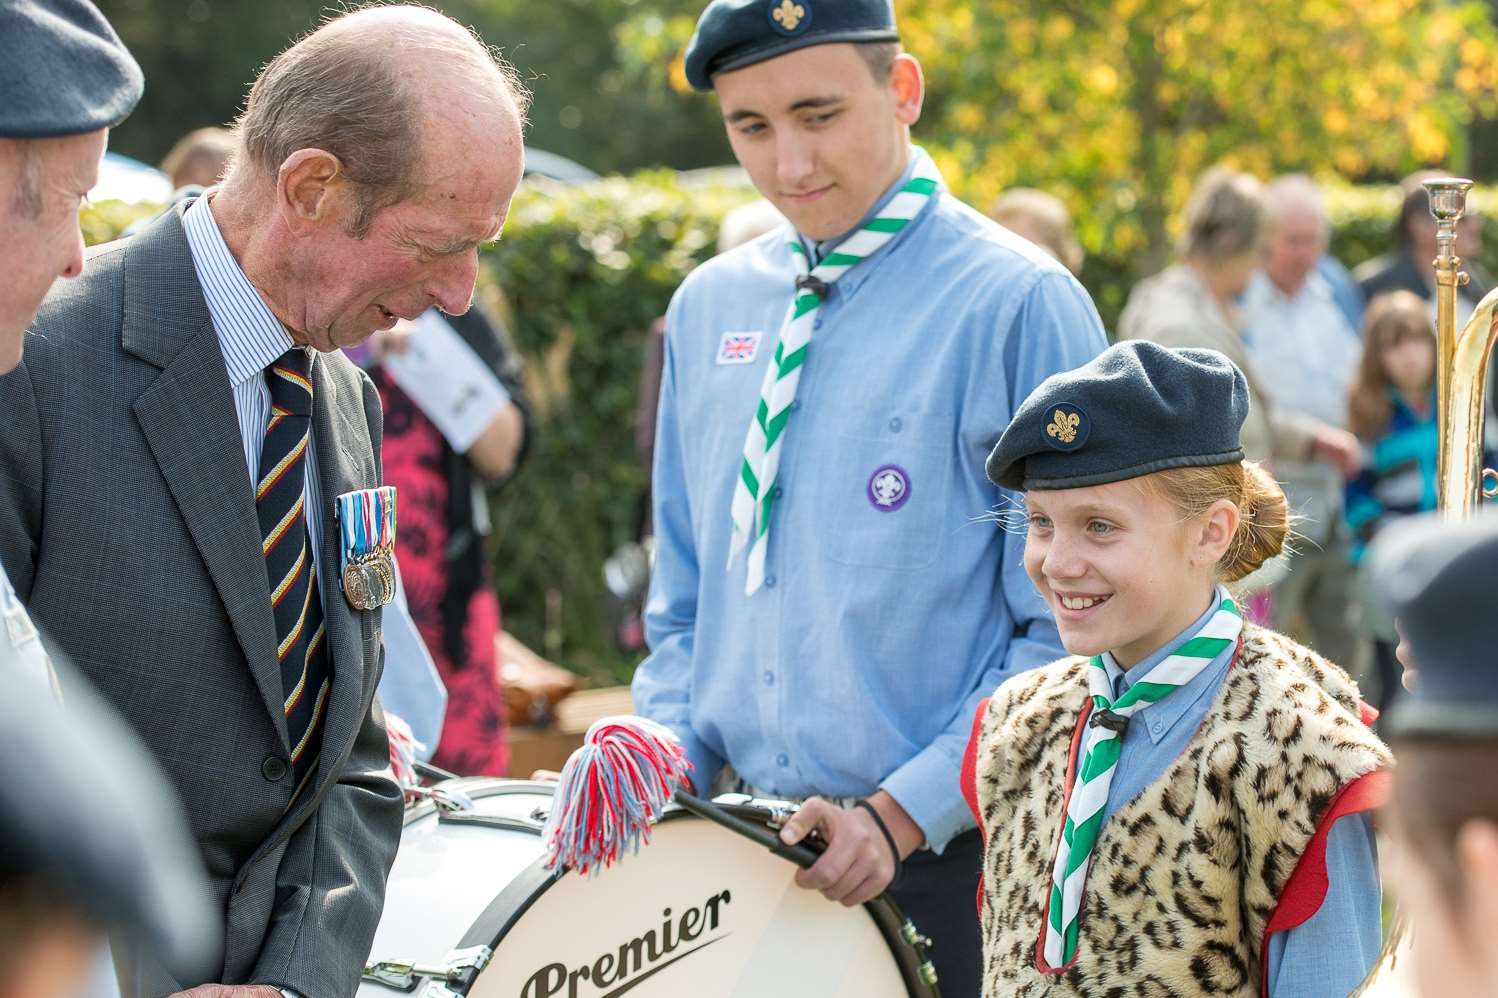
[
  {"x": 850, "y": 281},
  {"x": 250, "y": 337},
  {"x": 1162, "y": 715},
  {"x": 1262, "y": 290}
]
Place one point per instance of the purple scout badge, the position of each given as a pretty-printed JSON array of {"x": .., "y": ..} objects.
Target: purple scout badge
[{"x": 889, "y": 488}]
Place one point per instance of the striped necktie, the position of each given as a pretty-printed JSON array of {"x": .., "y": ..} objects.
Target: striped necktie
[
  {"x": 755, "y": 491},
  {"x": 280, "y": 497},
  {"x": 1101, "y": 745}
]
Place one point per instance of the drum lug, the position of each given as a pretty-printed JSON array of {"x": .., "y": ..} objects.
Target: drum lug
[
  {"x": 913, "y": 936},
  {"x": 460, "y": 969}
]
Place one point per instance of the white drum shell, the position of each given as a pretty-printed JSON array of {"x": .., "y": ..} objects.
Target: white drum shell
[{"x": 719, "y": 915}]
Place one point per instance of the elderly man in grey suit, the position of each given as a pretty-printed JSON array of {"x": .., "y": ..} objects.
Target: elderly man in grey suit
[{"x": 173, "y": 443}]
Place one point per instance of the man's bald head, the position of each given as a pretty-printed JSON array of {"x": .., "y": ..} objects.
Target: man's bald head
[{"x": 375, "y": 88}]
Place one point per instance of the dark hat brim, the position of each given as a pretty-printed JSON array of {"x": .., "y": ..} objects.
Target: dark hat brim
[
  {"x": 1411, "y": 717},
  {"x": 1013, "y": 476},
  {"x": 746, "y": 56}
]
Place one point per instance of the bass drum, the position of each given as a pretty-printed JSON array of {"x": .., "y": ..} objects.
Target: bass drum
[{"x": 700, "y": 911}]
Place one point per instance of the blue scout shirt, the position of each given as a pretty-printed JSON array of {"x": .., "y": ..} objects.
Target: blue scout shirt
[
  {"x": 882, "y": 622},
  {"x": 1329, "y": 954}
]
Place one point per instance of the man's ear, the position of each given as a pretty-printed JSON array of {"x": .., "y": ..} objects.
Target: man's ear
[
  {"x": 1218, "y": 526},
  {"x": 305, "y": 188},
  {"x": 909, "y": 86}
]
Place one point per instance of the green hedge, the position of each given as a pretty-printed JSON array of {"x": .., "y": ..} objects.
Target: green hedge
[{"x": 584, "y": 271}]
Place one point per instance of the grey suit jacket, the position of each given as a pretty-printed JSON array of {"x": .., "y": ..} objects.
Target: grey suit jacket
[{"x": 128, "y": 526}]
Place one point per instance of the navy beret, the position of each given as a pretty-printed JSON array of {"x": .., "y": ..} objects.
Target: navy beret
[
  {"x": 732, "y": 34},
  {"x": 84, "y": 809},
  {"x": 1441, "y": 582},
  {"x": 1135, "y": 408},
  {"x": 63, "y": 70}
]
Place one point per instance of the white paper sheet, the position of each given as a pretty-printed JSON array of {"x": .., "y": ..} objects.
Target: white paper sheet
[{"x": 449, "y": 382}]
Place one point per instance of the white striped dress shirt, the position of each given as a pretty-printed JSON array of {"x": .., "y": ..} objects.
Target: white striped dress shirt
[{"x": 251, "y": 339}]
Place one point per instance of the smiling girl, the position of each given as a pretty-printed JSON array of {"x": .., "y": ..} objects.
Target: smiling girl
[{"x": 1180, "y": 808}]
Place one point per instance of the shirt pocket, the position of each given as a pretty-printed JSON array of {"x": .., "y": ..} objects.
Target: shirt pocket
[{"x": 885, "y": 496}]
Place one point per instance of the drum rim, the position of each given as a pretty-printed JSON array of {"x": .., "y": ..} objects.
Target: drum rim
[{"x": 526, "y": 888}]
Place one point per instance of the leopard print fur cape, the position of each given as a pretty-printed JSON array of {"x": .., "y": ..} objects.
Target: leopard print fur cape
[{"x": 1185, "y": 877}]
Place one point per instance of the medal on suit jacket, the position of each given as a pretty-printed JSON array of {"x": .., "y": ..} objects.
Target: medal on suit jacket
[{"x": 366, "y": 529}]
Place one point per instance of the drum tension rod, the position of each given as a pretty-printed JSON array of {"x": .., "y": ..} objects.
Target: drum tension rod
[{"x": 404, "y": 975}]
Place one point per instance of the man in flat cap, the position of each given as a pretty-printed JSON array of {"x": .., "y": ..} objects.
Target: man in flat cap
[
  {"x": 181, "y": 431},
  {"x": 830, "y": 393},
  {"x": 65, "y": 80}
]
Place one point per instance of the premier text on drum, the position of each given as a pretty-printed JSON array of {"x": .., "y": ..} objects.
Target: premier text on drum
[{"x": 635, "y": 956}]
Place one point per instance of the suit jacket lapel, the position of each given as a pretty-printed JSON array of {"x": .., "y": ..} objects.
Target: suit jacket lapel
[
  {"x": 337, "y": 440},
  {"x": 189, "y": 421}
]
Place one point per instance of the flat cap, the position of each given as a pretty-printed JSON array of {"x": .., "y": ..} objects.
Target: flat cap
[
  {"x": 84, "y": 809},
  {"x": 1441, "y": 582},
  {"x": 732, "y": 34},
  {"x": 63, "y": 70},
  {"x": 1135, "y": 408}
]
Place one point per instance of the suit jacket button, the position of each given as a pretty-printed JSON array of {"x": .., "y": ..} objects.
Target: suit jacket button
[{"x": 273, "y": 768}]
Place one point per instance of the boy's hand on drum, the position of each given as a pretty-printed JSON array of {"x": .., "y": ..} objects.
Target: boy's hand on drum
[{"x": 857, "y": 865}]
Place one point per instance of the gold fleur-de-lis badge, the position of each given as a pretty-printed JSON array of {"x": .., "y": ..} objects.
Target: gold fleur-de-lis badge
[
  {"x": 1064, "y": 426},
  {"x": 788, "y": 14}
]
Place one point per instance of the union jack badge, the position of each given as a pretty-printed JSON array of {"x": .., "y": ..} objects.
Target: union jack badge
[{"x": 738, "y": 348}]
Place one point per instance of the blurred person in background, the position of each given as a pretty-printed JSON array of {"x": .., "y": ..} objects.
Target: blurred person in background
[
  {"x": 1043, "y": 219},
  {"x": 1195, "y": 304},
  {"x": 199, "y": 158},
  {"x": 196, "y": 361},
  {"x": 1410, "y": 266},
  {"x": 444, "y": 486},
  {"x": 1295, "y": 329},
  {"x": 1392, "y": 409},
  {"x": 1440, "y": 580}
]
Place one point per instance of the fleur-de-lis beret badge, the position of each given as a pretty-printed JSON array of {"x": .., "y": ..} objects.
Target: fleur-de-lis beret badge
[
  {"x": 1064, "y": 426},
  {"x": 787, "y": 15},
  {"x": 1066, "y": 431}
]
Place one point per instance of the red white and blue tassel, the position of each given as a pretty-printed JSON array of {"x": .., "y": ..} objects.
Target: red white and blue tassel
[
  {"x": 403, "y": 749},
  {"x": 611, "y": 791}
]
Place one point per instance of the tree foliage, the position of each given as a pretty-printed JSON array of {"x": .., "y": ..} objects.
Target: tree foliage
[{"x": 1118, "y": 105}]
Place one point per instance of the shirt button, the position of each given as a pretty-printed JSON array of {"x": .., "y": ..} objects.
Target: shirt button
[
  {"x": 1157, "y": 727},
  {"x": 895, "y": 425},
  {"x": 770, "y": 581},
  {"x": 769, "y": 678},
  {"x": 779, "y": 491},
  {"x": 782, "y": 759},
  {"x": 273, "y": 768},
  {"x": 795, "y": 404},
  {"x": 817, "y": 324}
]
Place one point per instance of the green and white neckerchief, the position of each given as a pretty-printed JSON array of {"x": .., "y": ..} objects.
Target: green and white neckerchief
[
  {"x": 1098, "y": 757},
  {"x": 754, "y": 493}
]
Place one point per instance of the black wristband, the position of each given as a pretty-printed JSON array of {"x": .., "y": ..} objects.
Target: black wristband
[{"x": 894, "y": 850}]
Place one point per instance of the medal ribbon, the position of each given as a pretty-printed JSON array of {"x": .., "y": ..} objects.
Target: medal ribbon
[
  {"x": 1099, "y": 753},
  {"x": 755, "y": 491},
  {"x": 366, "y": 521}
]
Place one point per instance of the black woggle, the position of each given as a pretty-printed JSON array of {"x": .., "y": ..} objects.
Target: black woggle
[
  {"x": 1116, "y": 723},
  {"x": 817, "y": 286}
]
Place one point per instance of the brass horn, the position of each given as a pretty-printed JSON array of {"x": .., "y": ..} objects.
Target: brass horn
[{"x": 1461, "y": 363}]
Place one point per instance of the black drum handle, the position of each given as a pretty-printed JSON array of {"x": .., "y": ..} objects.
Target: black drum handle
[{"x": 802, "y": 855}]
